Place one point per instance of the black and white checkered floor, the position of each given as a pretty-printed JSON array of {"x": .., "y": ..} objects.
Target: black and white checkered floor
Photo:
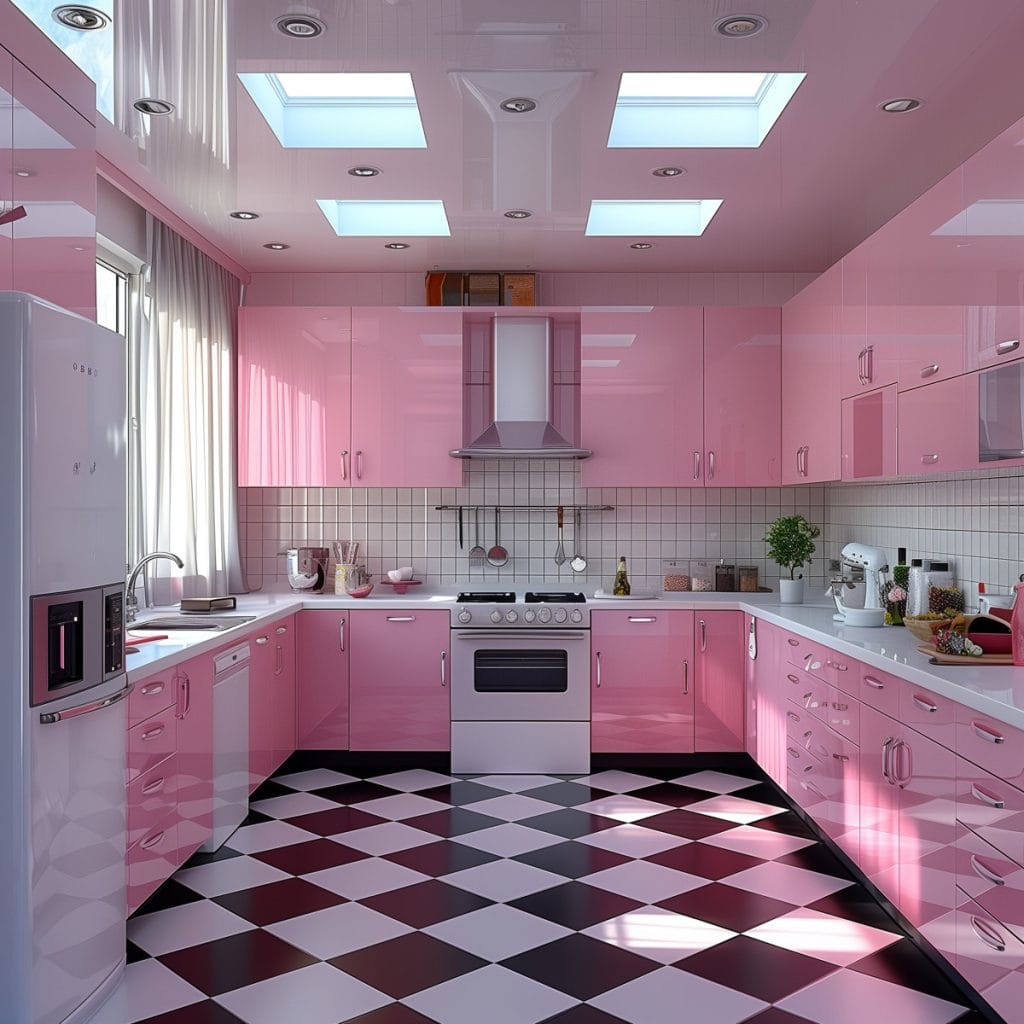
[{"x": 412, "y": 896}]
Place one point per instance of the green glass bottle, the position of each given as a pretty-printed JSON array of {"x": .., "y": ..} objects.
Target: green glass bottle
[{"x": 621, "y": 588}]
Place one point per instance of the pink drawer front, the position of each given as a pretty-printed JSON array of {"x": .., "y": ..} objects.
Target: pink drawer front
[
  {"x": 880, "y": 690},
  {"x": 996, "y": 747},
  {"x": 992, "y": 808},
  {"x": 931, "y": 715},
  {"x": 808, "y": 693},
  {"x": 152, "y": 798},
  {"x": 805, "y": 654},
  {"x": 151, "y": 861},
  {"x": 842, "y": 713},
  {"x": 150, "y": 742},
  {"x": 810, "y": 736},
  {"x": 808, "y": 790},
  {"x": 991, "y": 958},
  {"x": 150, "y": 696},
  {"x": 993, "y": 881}
]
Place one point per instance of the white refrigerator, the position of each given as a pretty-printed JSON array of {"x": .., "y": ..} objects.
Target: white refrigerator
[{"x": 62, "y": 680}]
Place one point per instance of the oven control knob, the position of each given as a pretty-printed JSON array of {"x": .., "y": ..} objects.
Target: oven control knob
[
  {"x": 561, "y": 615},
  {"x": 576, "y": 615},
  {"x": 530, "y": 615},
  {"x": 495, "y": 616},
  {"x": 465, "y": 615},
  {"x": 511, "y": 616},
  {"x": 544, "y": 615}
]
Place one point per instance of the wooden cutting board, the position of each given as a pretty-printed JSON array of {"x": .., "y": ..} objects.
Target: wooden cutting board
[{"x": 938, "y": 658}]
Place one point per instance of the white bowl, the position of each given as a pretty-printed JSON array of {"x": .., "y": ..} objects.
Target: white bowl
[
  {"x": 864, "y": 616},
  {"x": 405, "y": 571},
  {"x": 395, "y": 575}
]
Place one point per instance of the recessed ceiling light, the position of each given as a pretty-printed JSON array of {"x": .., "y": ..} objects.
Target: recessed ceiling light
[
  {"x": 244, "y": 215},
  {"x": 24, "y": 172},
  {"x": 661, "y": 217},
  {"x": 79, "y": 248},
  {"x": 518, "y": 105},
  {"x": 386, "y": 218},
  {"x": 276, "y": 246},
  {"x": 396, "y": 245},
  {"x": 364, "y": 172},
  {"x": 642, "y": 245},
  {"x": 150, "y": 105},
  {"x": 901, "y": 106},
  {"x": 518, "y": 214},
  {"x": 739, "y": 26},
  {"x": 668, "y": 172},
  {"x": 81, "y": 18},
  {"x": 300, "y": 26}
]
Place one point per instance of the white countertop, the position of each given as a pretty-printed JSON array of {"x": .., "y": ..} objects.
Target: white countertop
[{"x": 997, "y": 691}]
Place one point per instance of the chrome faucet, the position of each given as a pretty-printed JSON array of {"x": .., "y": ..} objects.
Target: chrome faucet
[{"x": 131, "y": 604}]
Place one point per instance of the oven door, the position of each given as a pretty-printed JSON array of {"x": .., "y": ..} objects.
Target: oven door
[{"x": 520, "y": 675}]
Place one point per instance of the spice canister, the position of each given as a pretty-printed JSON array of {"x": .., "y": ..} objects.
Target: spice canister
[
  {"x": 702, "y": 576},
  {"x": 725, "y": 577},
  {"x": 748, "y": 579},
  {"x": 675, "y": 575}
]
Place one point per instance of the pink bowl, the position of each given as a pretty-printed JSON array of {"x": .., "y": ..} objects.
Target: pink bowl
[
  {"x": 992, "y": 643},
  {"x": 364, "y": 591}
]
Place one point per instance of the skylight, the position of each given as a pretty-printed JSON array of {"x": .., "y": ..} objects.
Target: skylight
[
  {"x": 386, "y": 218},
  {"x": 651, "y": 217},
  {"x": 987, "y": 217},
  {"x": 339, "y": 110},
  {"x": 699, "y": 109}
]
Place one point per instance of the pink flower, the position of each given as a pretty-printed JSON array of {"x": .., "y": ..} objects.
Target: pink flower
[{"x": 897, "y": 594}]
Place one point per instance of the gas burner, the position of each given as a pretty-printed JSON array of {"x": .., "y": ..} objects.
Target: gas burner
[
  {"x": 545, "y": 597},
  {"x": 486, "y": 597}
]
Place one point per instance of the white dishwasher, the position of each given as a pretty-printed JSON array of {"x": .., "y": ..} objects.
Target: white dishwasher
[{"x": 230, "y": 744}]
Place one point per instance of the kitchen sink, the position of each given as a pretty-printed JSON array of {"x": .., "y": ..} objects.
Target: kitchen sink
[{"x": 192, "y": 620}]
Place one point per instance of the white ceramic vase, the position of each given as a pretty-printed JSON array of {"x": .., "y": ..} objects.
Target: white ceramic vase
[{"x": 791, "y": 591}]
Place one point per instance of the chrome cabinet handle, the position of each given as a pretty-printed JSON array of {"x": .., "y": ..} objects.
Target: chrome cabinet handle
[
  {"x": 281, "y": 630},
  {"x": 184, "y": 695},
  {"x": 805, "y": 450},
  {"x": 597, "y": 655},
  {"x": 792, "y": 642},
  {"x": 925, "y": 705},
  {"x": 344, "y": 465},
  {"x": 711, "y": 465},
  {"x": 869, "y": 364},
  {"x": 151, "y": 734},
  {"x": 151, "y": 688},
  {"x": 982, "y": 870},
  {"x": 840, "y": 707},
  {"x": 401, "y": 618},
  {"x": 930, "y": 459},
  {"x": 703, "y": 636},
  {"x": 982, "y": 794},
  {"x": 52, "y": 717},
  {"x": 886, "y": 753},
  {"x": 901, "y": 780},
  {"x": 860, "y": 366},
  {"x": 154, "y": 787},
  {"x": 792, "y": 716},
  {"x": 930, "y": 370},
  {"x": 989, "y": 735},
  {"x": 686, "y": 676},
  {"x": 792, "y": 678},
  {"x": 989, "y": 935},
  {"x": 278, "y": 660},
  {"x": 793, "y": 752},
  {"x": 262, "y": 641},
  {"x": 341, "y": 634},
  {"x": 841, "y": 757},
  {"x": 874, "y": 683},
  {"x": 151, "y": 841},
  {"x": 643, "y": 618},
  {"x": 838, "y": 666},
  {"x": 444, "y": 668},
  {"x": 696, "y": 465},
  {"x": 359, "y": 465},
  {"x": 1005, "y": 347}
]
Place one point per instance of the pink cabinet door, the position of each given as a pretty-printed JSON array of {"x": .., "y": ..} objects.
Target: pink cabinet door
[
  {"x": 938, "y": 427},
  {"x": 398, "y": 689},
  {"x": 406, "y": 397},
  {"x": 55, "y": 243},
  {"x": 261, "y": 708},
  {"x": 767, "y": 702},
  {"x": 294, "y": 386},
  {"x": 869, "y": 319},
  {"x": 880, "y": 802},
  {"x": 994, "y": 335},
  {"x": 642, "y": 402},
  {"x": 642, "y": 682},
  {"x": 283, "y": 691},
  {"x": 719, "y": 654},
  {"x": 193, "y": 684},
  {"x": 322, "y": 680},
  {"x": 6, "y": 166},
  {"x": 930, "y": 344},
  {"x": 810, "y": 382},
  {"x": 742, "y": 396},
  {"x": 869, "y": 434}
]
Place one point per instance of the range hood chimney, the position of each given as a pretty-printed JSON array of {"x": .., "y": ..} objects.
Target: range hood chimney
[{"x": 522, "y": 371}]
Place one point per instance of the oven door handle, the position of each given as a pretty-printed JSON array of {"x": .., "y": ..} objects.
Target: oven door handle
[{"x": 522, "y": 634}]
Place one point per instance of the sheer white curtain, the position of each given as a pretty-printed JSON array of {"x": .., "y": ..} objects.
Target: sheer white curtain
[{"x": 183, "y": 364}]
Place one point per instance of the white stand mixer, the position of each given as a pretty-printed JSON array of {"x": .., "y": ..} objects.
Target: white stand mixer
[{"x": 873, "y": 561}]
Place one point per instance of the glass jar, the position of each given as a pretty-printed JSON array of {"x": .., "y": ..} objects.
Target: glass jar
[
  {"x": 748, "y": 579},
  {"x": 702, "y": 576},
  {"x": 725, "y": 577},
  {"x": 675, "y": 575}
]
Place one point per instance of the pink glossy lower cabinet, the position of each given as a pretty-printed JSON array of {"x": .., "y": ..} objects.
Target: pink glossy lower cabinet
[
  {"x": 321, "y": 680},
  {"x": 193, "y": 683},
  {"x": 398, "y": 688},
  {"x": 271, "y": 699},
  {"x": 719, "y": 654},
  {"x": 766, "y": 719},
  {"x": 642, "y": 682},
  {"x": 938, "y": 427}
]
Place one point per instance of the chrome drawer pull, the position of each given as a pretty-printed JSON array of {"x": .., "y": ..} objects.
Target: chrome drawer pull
[
  {"x": 792, "y": 678},
  {"x": 989, "y": 735},
  {"x": 982, "y": 794},
  {"x": 988, "y": 935},
  {"x": 792, "y": 752},
  {"x": 151, "y": 734},
  {"x": 643, "y": 618},
  {"x": 444, "y": 668},
  {"x": 874, "y": 683},
  {"x": 597, "y": 655},
  {"x": 151, "y": 688},
  {"x": 930, "y": 370},
  {"x": 837, "y": 665},
  {"x": 401, "y": 618},
  {"x": 262, "y": 641},
  {"x": 930, "y": 459},
  {"x": 151, "y": 841},
  {"x": 841, "y": 757},
  {"x": 1010, "y": 345},
  {"x": 792, "y": 642},
  {"x": 982, "y": 870},
  {"x": 792, "y": 716},
  {"x": 154, "y": 787},
  {"x": 686, "y": 676},
  {"x": 925, "y": 705},
  {"x": 281, "y": 630},
  {"x": 840, "y": 707}
]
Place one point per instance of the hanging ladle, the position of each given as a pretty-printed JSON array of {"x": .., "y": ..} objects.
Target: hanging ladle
[
  {"x": 497, "y": 556},
  {"x": 578, "y": 563}
]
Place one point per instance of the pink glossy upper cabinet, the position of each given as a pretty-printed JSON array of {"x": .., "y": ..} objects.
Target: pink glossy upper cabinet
[
  {"x": 294, "y": 386},
  {"x": 810, "y": 382},
  {"x": 399, "y": 682},
  {"x": 643, "y": 679},
  {"x": 938, "y": 427},
  {"x": 406, "y": 397},
  {"x": 870, "y": 308},
  {"x": 6, "y": 169},
  {"x": 322, "y": 680},
  {"x": 930, "y": 344},
  {"x": 55, "y": 243},
  {"x": 193, "y": 683},
  {"x": 742, "y": 396},
  {"x": 719, "y": 657},
  {"x": 869, "y": 434},
  {"x": 642, "y": 401}
]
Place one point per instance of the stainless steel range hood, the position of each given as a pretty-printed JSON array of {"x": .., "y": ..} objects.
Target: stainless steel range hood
[{"x": 521, "y": 368}]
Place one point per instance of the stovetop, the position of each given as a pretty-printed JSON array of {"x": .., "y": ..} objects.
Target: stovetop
[
  {"x": 486, "y": 597},
  {"x": 507, "y": 610},
  {"x": 529, "y": 597}
]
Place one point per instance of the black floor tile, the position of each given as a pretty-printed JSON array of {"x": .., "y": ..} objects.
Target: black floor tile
[
  {"x": 459, "y": 793},
  {"x": 393, "y": 1013},
  {"x": 171, "y": 894},
  {"x": 671, "y": 794},
  {"x": 583, "y": 1014},
  {"x": 790, "y": 824},
  {"x": 256, "y": 818},
  {"x": 574, "y": 860},
  {"x": 134, "y": 954},
  {"x": 575, "y": 905},
  {"x": 569, "y": 823},
  {"x": 206, "y": 1012},
  {"x": 199, "y": 859},
  {"x": 704, "y": 860},
  {"x": 334, "y": 822},
  {"x": 903, "y": 963},
  {"x": 270, "y": 789},
  {"x": 305, "y": 858},
  {"x": 856, "y": 904},
  {"x": 816, "y": 858},
  {"x": 426, "y": 903},
  {"x": 452, "y": 821},
  {"x": 687, "y": 824},
  {"x": 350, "y": 793},
  {"x": 278, "y": 901},
  {"x": 773, "y": 1015},
  {"x": 727, "y": 906},
  {"x": 569, "y": 794},
  {"x": 441, "y": 858}
]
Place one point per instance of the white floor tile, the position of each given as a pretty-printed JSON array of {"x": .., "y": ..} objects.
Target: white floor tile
[
  {"x": 669, "y": 994},
  {"x": 318, "y": 994},
  {"x": 834, "y": 939},
  {"x": 388, "y": 837},
  {"x": 659, "y": 934},
  {"x": 735, "y": 808},
  {"x": 492, "y": 994},
  {"x": 504, "y": 880},
  {"x": 414, "y": 780},
  {"x": 179, "y": 927},
  {"x": 401, "y": 805},
  {"x": 714, "y": 782},
  {"x": 497, "y": 932},
  {"x": 516, "y": 783},
  {"x": 224, "y": 876},
  {"x": 757, "y": 842},
  {"x": 623, "y": 807},
  {"x": 146, "y": 990},
  {"x": 618, "y": 782},
  {"x": 365, "y": 878},
  {"x": 268, "y": 835},
  {"x": 644, "y": 881},
  {"x": 294, "y": 804},
  {"x": 316, "y": 778},
  {"x": 633, "y": 840},
  {"x": 513, "y": 807},
  {"x": 337, "y": 930},
  {"x": 847, "y": 997},
  {"x": 786, "y": 882},
  {"x": 508, "y": 840}
]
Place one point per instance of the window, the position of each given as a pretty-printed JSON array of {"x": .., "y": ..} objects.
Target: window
[{"x": 112, "y": 298}]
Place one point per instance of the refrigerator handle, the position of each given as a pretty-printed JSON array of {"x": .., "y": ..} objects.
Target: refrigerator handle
[{"x": 52, "y": 717}]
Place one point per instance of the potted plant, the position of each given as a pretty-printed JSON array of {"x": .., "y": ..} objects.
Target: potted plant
[{"x": 790, "y": 541}]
